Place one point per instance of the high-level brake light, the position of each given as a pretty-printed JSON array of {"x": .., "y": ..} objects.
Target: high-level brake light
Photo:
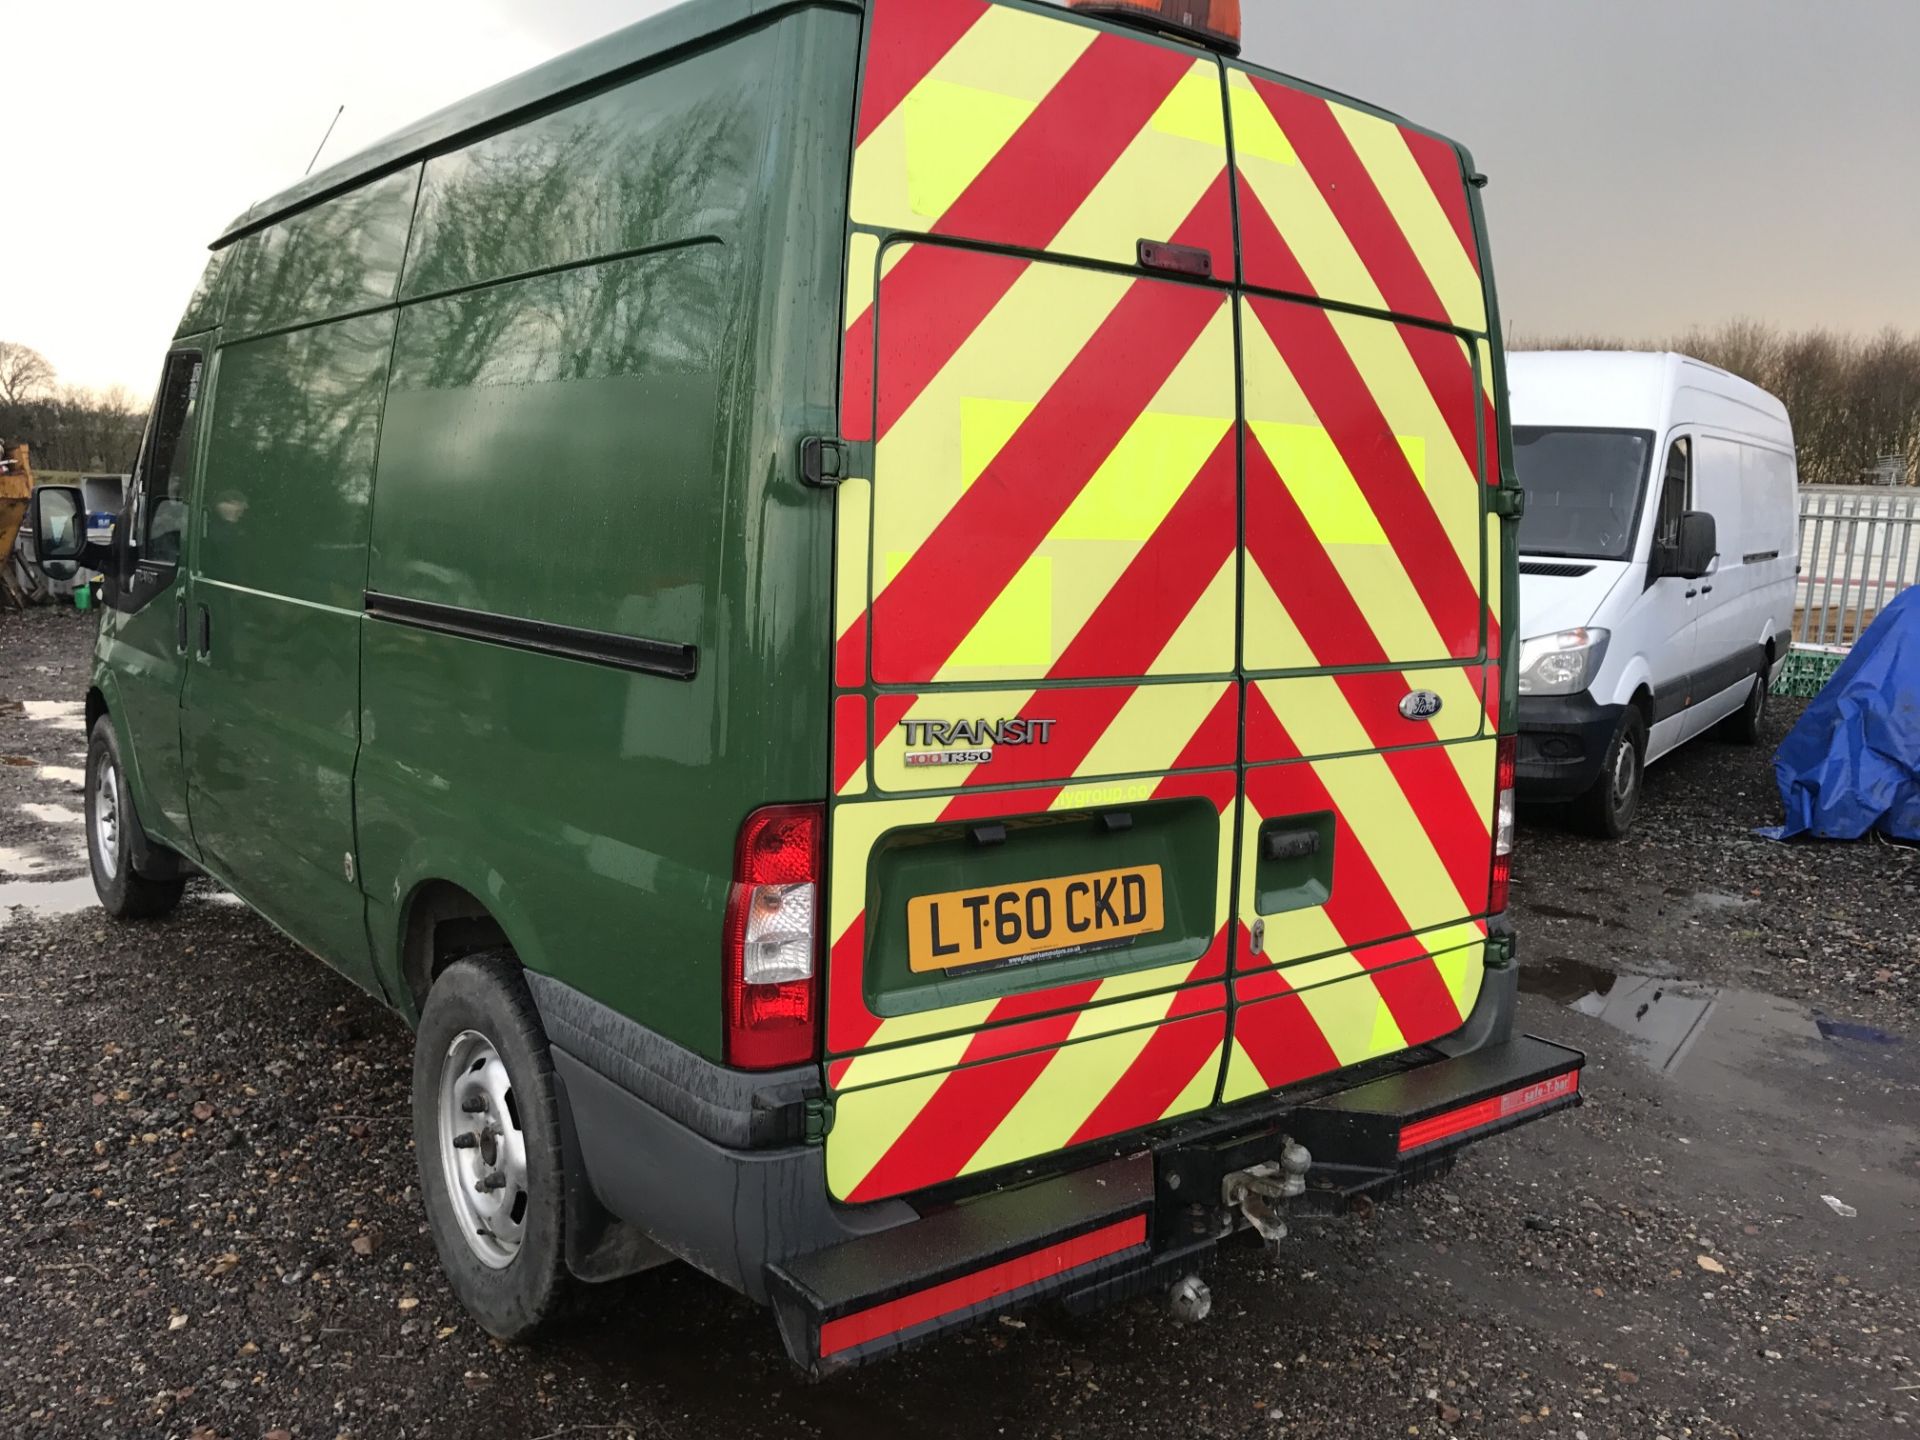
[
  {"x": 772, "y": 939},
  {"x": 1215, "y": 23}
]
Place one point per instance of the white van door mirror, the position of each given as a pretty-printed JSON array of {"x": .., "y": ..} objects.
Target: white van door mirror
[{"x": 1699, "y": 546}]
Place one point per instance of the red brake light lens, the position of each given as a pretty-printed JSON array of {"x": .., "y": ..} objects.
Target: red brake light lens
[
  {"x": 772, "y": 939},
  {"x": 1506, "y": 772},
  {"x": 1214, "y": 23}
]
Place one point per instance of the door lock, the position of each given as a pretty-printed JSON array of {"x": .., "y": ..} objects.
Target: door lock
[{"x": 1258, "y": 937}]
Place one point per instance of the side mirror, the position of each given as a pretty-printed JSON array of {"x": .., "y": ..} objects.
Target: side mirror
[
  {"x": 59, "y": 515},
  {"x": 1699, "y": 545}
]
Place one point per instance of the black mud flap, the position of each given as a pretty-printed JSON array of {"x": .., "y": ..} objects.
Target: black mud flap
[
  {"x": 1406, "y": 1124},
  {"x": 862, "y": 1299}
]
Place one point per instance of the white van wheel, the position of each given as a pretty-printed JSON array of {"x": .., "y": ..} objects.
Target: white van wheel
[
  {"x": 1609, "y": 807},
  {"x": 1745, "y": 725}
]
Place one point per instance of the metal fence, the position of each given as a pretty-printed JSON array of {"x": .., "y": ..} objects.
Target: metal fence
[{"x": 1859, "y": 547}]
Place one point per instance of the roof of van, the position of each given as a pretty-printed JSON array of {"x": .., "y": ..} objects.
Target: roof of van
[
  {"x": 567, "y": 76},
  {"x": 1637, "y": 390},
  {"x": 578, "y": 70}
]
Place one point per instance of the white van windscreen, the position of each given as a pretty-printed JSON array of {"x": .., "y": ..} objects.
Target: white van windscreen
[{"x": 1584, "y": 490}]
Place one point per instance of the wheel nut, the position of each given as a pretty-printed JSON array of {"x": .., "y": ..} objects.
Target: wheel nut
[
  {"x": 466, "y": 1141},
  {"x": 489, "y": 1183},
  {"x": 474, "y": 1104}
]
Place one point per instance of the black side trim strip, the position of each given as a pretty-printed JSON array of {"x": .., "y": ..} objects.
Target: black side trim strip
[
  {"x": 1758, "y": 556},
  {"x": 596, "y": 647}
]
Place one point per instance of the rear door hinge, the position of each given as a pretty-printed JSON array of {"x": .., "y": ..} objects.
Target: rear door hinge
[
  {"x": 819, "y": 1119},
  {"x": 1508, "y": 502},
  {"x": 826, "y": 461}
]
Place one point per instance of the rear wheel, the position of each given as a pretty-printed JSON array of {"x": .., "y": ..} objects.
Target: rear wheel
[
  {"x": 486, "y": 1131},
  {"x": 1608, "y": 808},
  {"x": 124, "y": 893},
  {"x": 1745, "y": 725}
]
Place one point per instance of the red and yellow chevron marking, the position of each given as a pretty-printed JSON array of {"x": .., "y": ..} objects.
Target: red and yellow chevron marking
[
  {"x": 1412, "y": 836},
  {"x": 985, "y": 123},
  {"x": 929, "y": 1096},
  {"x": 1325, "y": 1015},
  {"x": 1052, "y": 530},
  {"x": 1340, "y": 205},
  {"x": 1356, "y": 461}
]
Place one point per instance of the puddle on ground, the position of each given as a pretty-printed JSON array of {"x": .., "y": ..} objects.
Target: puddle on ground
[
  {"x": 1683, "y": 1029},
  {"x": 46, "y": 897},
  {"x": 61, "y": 714},
  {"x": 53, "y": 814}
]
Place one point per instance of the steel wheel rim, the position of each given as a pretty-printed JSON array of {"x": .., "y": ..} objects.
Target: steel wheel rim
[
  {"x": 483, "y": 1150},
  {"x": 1625, "y": 775},
  {"x": 106, "y": 819}
]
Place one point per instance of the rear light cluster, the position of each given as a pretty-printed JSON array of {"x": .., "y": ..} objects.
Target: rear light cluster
[
  {"x": 1211, "y": 22},
  {"x": 773, "y": 939},
  {"x": 1506, "y": 769}
]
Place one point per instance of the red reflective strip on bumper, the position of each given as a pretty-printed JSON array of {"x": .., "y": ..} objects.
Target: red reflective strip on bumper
[
  {"x": 966, "y": 1290},
  {"x": 1488, "y": 1112}
]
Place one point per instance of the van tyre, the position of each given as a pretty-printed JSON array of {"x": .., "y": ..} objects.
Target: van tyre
[
  {"x": 1607, "y": 810},
  {"x": 1745, "y": 725},
  {"x": 124, "y": 893},
  {"x": 486, "y": 1132}
]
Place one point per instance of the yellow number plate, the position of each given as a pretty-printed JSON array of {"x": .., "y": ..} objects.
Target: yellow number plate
[{"x": 1040, "y": 917}]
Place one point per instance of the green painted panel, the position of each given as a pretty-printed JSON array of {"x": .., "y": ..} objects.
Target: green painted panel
[
  {"x": 591, "y": 810},
  {"x": 209, "y": 296},
  {"x": 577, "y": 412},
  {"x": 335, "y": 259},
  {"x": 668, "y": 157},
  {"x": 290, "y": 462},
  {"x": 271, "y": 728}
]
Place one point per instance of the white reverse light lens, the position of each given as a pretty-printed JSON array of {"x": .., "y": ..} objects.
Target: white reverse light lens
[
  {"x": 779, "y": 939},
  {"x": 1561, "y": 664}
]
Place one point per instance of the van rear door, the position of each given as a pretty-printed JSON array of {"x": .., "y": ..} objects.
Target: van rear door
[
  {"x": 1372, "y": 584},
  {"x": 1036, "y": 713}
]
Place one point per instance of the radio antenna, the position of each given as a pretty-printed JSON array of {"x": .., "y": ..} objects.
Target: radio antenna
[{"x": 323, "y": 140}]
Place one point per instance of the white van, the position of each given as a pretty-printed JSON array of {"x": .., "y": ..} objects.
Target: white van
[{"x": 1657, "y": 560}]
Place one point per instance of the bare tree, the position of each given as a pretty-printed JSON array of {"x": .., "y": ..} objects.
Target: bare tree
[{"x": 24, "y": 373}]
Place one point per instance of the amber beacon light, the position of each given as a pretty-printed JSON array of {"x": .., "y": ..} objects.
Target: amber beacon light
[{"x": 1211, "y": 22}]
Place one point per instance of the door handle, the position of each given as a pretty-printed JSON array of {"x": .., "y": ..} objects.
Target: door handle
[
  {"x": 180, "y": 624},
  {"x": 1290, "y": 844},
  {"x": 206, "y": 633},
  {"x": 1706, "y": 589},
  {"x": 1692, "y": 593}
]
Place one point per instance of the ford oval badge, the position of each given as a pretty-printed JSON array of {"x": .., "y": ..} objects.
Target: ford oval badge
[{"x": 1420, "y": 705}]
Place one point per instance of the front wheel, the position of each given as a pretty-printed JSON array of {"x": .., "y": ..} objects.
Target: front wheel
[
  {"x": 486, "y": 1132},
  {"x": 124, "y": 893},
  {"x": 1607, "y": 810}
]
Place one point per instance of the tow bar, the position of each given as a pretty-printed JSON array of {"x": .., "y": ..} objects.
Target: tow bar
[{"x": 1264, "y": 1192}]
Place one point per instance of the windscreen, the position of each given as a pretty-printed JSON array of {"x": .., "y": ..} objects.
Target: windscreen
[{"x": 1583, "y": 489}]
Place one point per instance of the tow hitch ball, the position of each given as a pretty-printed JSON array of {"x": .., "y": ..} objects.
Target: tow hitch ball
[
  {"x": 1190, "y": 1300},
  {"x": 1262, "y": 1192}
]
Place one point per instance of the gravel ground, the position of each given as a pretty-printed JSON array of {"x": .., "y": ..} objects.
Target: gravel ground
[{"x": 211, "y": 1228}]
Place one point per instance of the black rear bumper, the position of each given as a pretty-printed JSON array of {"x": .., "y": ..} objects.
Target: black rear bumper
[{"x": 1092, "y": 1235}]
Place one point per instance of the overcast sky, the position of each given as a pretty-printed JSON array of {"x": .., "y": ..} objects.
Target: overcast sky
[{"x": 1655, "y": 163}]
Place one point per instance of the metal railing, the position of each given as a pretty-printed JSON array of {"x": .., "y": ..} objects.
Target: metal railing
[{"x": 1859, "y": 547}]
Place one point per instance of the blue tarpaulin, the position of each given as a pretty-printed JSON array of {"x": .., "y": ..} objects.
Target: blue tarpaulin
[{"x": 1852, "y": 764}]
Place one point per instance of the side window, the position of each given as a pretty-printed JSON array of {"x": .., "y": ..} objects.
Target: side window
[
  {"x": 1676, "y": 494},
  {"x": 169, "y": 458}
]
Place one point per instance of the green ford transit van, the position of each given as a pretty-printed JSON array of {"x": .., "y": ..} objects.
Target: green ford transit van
[{"x": 886, "y": 622}]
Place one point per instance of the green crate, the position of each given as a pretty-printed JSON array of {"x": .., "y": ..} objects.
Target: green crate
[{"x": 1807, "y": 670}]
